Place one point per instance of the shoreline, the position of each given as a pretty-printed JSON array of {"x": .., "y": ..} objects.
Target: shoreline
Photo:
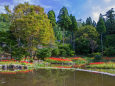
[{"x": 85, "y": 70}]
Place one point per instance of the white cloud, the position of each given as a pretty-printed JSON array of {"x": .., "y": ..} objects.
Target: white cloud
[
  {"x": 107, "y": 1},
  {"x": 99, "y": 6},
  {"x": 95, "y": 15},
  {"x": 2, "y": 9}
]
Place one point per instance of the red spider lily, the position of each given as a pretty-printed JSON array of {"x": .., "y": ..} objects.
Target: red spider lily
[
  {"x": 59, "y": 59},
  {"x": 23, "y": 71},
  {"x": 77, "y": 58},
  {"x": 15, "y": 61},
  {"x": 25, "y": 62},
  {"x": 96, "y": 63}
]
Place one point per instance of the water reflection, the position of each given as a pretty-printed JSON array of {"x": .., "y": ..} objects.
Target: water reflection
[{"x": 57, "y": 77}]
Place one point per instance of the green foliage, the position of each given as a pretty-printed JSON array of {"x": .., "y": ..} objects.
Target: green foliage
[
  {"x": 19, "y": 53},
  {"x": 4, "y": 22},
  {"x": 82, "y": 46},
  {"x": 110, "y": 40},
  {"x": 66, "y": 50},
  {"x": 33, "y": 27},
  {"x": 51, "y": 16},
  {"x": 80, "y": 62},
  {"x": 1, "y": 51},
  {"x": 42, "y": 53},
  {"x": 89, "y": 21},
  {"x": 55, "y": 52},
  {"x": 97, "y": 56},
  {"x": 110, "y": 22},
  {"x": 88, "y": 32},
  {"x": 101, "y": 26},
  {"x": 58, "y": 33},
  {"x": 63, "y": 19},
  {"x": 109, "y": 51},
  {"x": 94, "y": 24},
  {"x": 86, "y": 39},
  {"x": 63, "y": 52},
  {"x": 73, "y": 26}
]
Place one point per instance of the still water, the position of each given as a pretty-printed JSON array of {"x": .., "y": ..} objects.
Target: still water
[{"x": 56, "y": 77}]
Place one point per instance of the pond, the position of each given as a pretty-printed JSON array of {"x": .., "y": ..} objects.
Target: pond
[{"x": 56, "y": 77}]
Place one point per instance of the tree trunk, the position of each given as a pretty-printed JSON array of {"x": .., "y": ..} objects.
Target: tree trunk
[{"x": 102, "y": 43}]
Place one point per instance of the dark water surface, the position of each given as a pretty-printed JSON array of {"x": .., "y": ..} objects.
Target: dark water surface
[{"x": 53, "y": 77}]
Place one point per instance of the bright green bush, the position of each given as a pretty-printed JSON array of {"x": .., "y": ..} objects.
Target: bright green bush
[
  {"x": 66, "y": 50},
  {"x": 71, "y": 53}
]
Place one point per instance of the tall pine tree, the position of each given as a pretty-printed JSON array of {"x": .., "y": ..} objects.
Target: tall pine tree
[
  {"x": 64, "y": 20},
  {"x": 51, "y": 16},
  {"x": 101, "y": 30},
  {"x": 73, "y": 28},
  {"x": 89, "y": 21}
]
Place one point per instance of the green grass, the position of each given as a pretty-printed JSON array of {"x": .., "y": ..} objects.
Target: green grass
[{"x": 108, "y": 65}]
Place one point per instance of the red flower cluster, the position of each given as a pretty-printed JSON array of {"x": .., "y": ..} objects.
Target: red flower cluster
[
  {"x": 23, "y": 71},
  {"x": 77, "y": 58},
  {"x": 96, "y": 63},
  {"x": 12, "y": 60},
  {"x": 59, "y": 59},
  {"x": 25, "y": 62}
]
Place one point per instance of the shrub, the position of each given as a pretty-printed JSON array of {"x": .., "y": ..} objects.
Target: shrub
[
  {"x": 63, "y": 52},
  {"x": 42, "y": 53},
  {"x": 79, "y": 60},
  {"x": 109, "y": 51},
  {"x": 55, "y": 52},
  {"x": 1, "y": 50},
  {"x": 82, "y": 45},
  {"x": 66, "y": 50},
  {"x": 71, "y": 53},
  {"x": 97, "y": 56}
]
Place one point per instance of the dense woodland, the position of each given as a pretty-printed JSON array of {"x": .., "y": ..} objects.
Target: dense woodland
[{"x": 29, "y": 31}]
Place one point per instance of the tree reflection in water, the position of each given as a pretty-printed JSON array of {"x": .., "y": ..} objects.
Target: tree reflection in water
[{"x": 56, "y": 77}]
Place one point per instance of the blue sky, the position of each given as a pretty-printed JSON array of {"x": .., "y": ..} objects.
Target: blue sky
[{"x": 79, "y": 8}]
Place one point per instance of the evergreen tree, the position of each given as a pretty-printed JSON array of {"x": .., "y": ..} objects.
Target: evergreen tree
[
  {"x": 51, "y": 16},
  {"x": 73, "y": 28},
  {"x": 110, "y": 21},
  {"x": 64, "y": 20},
  {"x": 94, "y": 23},
  {"x": 89, "y": 21},
  {"x": 101, "y": 29},
  {"x": 83, "y": 24}
]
